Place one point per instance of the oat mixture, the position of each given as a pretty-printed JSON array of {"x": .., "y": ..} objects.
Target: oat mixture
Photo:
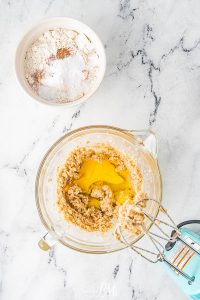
[
  {"x": 61, "y": 65},
  {"x": 95, "y": 201}
]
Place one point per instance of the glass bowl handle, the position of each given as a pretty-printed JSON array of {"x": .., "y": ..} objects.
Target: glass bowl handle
[
  {"x": 148, "y": 139},
  {"x": 47, "y": 242}
]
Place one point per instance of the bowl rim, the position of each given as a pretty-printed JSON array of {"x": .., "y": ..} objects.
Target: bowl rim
[
  {"x": 67, "y": 135},
  {"x": 29, "y": 91}
]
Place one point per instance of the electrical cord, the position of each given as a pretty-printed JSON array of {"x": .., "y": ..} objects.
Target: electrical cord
[
  {"x": 170, "y": 245},
  {"x": 188, "y": 223}
]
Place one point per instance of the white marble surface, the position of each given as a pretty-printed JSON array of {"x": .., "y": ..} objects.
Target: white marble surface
[{"x": 152, "y": 77}]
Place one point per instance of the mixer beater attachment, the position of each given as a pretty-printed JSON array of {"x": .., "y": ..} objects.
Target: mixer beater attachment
[{"x": 169, "y": 243}]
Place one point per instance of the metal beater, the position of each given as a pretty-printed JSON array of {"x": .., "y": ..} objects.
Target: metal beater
[{"x": 175, "y": 245}]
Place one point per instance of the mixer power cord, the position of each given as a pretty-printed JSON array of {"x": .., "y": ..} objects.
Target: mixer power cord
[{"x": 170, "y": 245}]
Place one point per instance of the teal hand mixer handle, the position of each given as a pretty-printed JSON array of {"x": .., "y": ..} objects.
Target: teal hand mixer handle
[
  {"x": 184, "y": 254},
  {"x": 177, "y": 249}
]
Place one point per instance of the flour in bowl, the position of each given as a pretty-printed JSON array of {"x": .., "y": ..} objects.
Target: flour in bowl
[{"x": 61, "y": 65}]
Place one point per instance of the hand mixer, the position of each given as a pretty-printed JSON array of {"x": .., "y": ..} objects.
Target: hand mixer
[{"x": 176, "y": 246}]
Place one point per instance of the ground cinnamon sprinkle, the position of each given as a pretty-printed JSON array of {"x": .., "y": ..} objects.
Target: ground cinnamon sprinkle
[
  {"x": 38, "y": 76},
  {"x": 63, "y": 52}
]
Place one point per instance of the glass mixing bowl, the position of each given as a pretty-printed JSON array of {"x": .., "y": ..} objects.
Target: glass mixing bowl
[{"x": 139, "y": 145}]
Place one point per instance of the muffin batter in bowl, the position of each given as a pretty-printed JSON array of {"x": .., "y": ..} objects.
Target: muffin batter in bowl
[{"x": 96, "y": 187}]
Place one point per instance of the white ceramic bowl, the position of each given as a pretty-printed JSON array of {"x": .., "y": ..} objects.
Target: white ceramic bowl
[{"x": 52, "y": 23}]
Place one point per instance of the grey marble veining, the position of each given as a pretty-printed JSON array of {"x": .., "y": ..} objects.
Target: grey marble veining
[{"x": 152, "y": 79}]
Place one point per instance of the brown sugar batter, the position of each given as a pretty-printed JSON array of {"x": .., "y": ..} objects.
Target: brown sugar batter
[{"x": 96, "y": 186}]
